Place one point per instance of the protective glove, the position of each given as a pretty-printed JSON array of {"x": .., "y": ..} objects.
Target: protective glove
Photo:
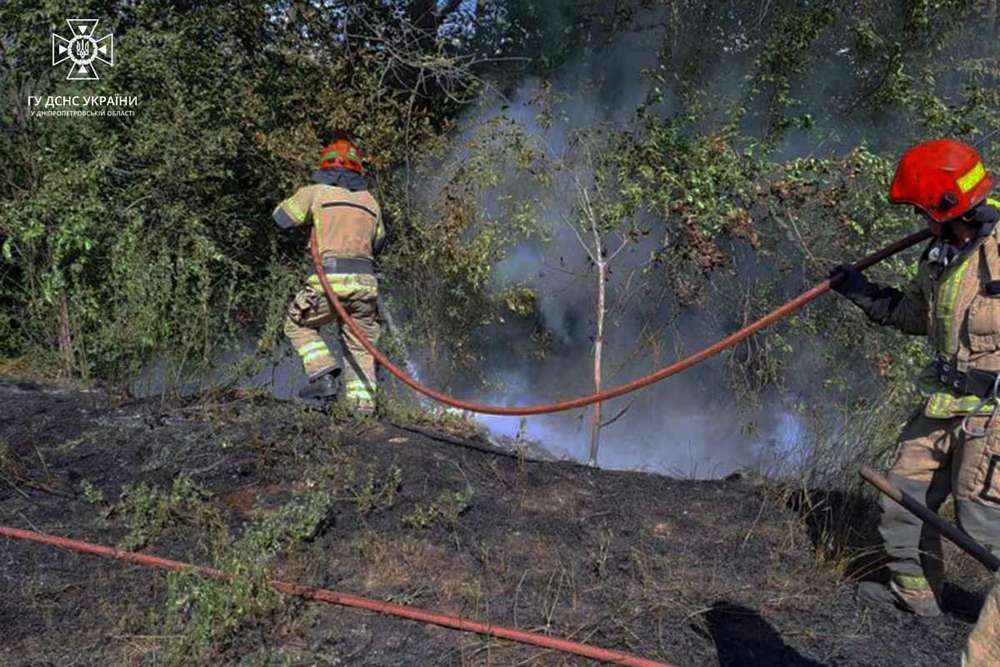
[
  {"x": 849, "y": 282},
  {"x": 879, "y": 303}
]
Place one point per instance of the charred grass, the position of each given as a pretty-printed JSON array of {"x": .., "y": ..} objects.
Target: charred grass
[{"x": 693, "y": 573}]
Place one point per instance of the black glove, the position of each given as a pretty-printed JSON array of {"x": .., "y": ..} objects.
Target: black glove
[
  {"x": 878, "y": 303},
  {"x": 849, "y": 282}
]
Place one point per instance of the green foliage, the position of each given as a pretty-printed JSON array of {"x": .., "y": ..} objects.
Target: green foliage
[
  {"x": 445, "y": 509},
  {"x": 521, "y": 301},
  {"x": 206, "y": 616},
  {"x": 138, "y": 224},
  {"x": 441, "y": 264},
  {"x": 703, "y": 179},
  {"x": 786, "y": 57},
  {"x": 300, "y": 520},
  {"x": 289, "y": 657},
  {"x": 601, "y": 554},
  {"x": 374, "y": 494},
  {"x": 149, "y": 513},
  {"x": 91, "y": 493}
]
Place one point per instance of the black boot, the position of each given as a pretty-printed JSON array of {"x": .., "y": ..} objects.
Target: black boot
[{"x": 324, "y": 387}]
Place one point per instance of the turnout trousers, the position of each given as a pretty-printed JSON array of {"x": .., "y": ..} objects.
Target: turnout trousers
[
  {"x": 310, "y": 311},
  {"x": 935, "y": 458}
]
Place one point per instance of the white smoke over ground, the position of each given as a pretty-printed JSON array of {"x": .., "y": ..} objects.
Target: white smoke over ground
[
  {"x": 239, "y": 366},
  {"x": 689, "y": 425}
]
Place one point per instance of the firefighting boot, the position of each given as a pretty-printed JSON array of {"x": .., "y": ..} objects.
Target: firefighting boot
[
  {"x": 322, "y": 388},
  {"x": 911, "y": 594}
]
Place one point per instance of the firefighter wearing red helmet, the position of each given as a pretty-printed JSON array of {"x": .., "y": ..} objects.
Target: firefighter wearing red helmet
[
  {"x": 951, "y": 446},
  {"x": 349, "y": 232}
]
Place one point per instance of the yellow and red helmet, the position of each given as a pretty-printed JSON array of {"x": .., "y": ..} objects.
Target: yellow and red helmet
[
  {"x": 341, "y": 154},
  {"x": 944, "y": 178}
]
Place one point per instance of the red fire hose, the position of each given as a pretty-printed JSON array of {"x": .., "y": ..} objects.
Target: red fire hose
[
  {"x": 621, "y": 389},
  {"x": 347, "y": 600}
]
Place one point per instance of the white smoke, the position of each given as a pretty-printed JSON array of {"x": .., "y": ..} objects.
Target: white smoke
[{"x": 688, "y": 425}]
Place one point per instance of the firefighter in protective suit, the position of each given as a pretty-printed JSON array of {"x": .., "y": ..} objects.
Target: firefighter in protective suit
[
  {"x": 349, "y": 232},
  {"x": 952, "y": 444}
]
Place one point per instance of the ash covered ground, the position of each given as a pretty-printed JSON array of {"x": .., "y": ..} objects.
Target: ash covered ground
[{"x": 686, "y": 572}]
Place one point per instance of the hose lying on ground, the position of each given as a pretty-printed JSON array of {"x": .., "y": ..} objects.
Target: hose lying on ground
[
  {"x": 614, "y": 392},
  {"x": 347, "y": 600}
]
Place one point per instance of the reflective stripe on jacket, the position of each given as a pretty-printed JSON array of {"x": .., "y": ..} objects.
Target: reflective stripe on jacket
[{"x": 962, "y": 320}]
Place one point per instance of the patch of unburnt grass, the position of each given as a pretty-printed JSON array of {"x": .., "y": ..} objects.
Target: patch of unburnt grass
[
  {"x": 377, "y": 492},
  {"x": 148, "y": 513},
  {"x": 210, "y": 619},
  {"x": 444, "y": 510},
  {"x": 433, "y": 416}
]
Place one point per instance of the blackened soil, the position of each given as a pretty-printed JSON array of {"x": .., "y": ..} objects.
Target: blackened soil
[{"x": 690, "y": 573}]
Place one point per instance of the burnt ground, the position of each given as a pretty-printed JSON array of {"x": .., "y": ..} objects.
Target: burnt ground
[{"x": 687, "y": 572}]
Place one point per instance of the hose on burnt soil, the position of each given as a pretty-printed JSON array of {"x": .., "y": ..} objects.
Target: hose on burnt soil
[
  {"x": 346, "y": 600},
  {"x": 614, "y": 392}
]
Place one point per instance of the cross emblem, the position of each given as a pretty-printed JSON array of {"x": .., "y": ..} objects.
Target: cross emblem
[{"x": 82, "y": 49}]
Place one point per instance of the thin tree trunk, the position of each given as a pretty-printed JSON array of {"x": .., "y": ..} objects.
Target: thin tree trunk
[
  {"x": 65, "y": 337},
  {"x": 595, "y": 424}
]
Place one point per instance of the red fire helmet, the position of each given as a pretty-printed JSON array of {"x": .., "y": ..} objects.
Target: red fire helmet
[
  {"x": 944, "y": 178},
  {"x": 341, "y": 153}
]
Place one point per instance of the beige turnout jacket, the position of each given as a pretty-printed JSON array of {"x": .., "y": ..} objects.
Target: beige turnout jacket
[
  {"x": 951, "y": 306},
  {"x": 348, "y": 224}
]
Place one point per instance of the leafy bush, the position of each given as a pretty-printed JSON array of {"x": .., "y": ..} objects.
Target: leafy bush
[
  {"x": 206, "y": 616},
  {"x": 149, "y": 513},
  {"x": 445, "y": 509}
]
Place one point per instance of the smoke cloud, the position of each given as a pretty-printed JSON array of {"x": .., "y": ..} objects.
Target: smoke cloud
[{"x": 689, "y": 425}]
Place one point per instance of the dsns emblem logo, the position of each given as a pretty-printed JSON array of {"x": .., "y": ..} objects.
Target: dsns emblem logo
[{"x": 82, "y": 49}]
